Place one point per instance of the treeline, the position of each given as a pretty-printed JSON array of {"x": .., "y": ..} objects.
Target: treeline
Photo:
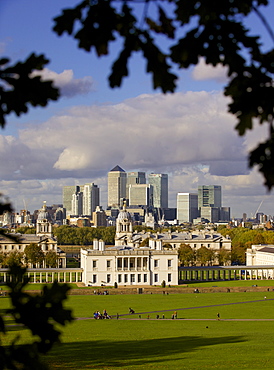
[
  {"x": 32, "y": 255},
  {"x": 67, "y": 235},
  {"x": 202, "y": 256},
  {"x": 242, "y": 238}
]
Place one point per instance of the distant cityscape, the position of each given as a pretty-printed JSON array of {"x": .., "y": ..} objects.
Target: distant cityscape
[{"x": 146, "y": 198}]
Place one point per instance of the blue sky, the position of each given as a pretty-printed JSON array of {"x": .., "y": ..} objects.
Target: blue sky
[{"x": 92, "y": 128}]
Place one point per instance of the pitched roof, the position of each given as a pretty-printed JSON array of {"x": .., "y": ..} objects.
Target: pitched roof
[
  {"x": 266, "y": 250},
  {"x": 117, "y": 168}
]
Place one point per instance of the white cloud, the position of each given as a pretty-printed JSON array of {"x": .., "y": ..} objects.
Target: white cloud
[
  {"x": 203, "y": 71},
  {"x": 66, "y": 82},
  {"x": 187, "y": 135}
]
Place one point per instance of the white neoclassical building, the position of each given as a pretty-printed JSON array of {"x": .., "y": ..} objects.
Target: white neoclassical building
[{"x": 127, "y": 263}]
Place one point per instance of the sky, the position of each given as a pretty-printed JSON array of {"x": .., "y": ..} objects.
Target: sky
[{"x": 92, "y": 128}]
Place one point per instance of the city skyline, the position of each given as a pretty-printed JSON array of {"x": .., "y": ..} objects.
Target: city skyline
[{"x": 187, "y": 135}]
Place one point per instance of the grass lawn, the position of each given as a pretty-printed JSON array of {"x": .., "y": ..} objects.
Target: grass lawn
[{"x": 196, "y": 340}]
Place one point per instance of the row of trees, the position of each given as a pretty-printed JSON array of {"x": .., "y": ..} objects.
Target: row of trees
[
  {"x": 202, "y": 256},
  {"x": 67, "y": 235},
  {"x": 242, "y": 238},
  {"x": 32, "y": 254}
]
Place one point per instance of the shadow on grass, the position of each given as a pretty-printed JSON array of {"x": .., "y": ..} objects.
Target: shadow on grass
[{"x": 106, "y": 354}]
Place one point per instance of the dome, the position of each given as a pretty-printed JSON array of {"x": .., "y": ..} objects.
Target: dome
[
  {"x": 124, "y": 214},
  {"x": 43, "y": 213}
]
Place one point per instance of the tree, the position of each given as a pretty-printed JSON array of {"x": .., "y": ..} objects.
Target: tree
[
  {"x": 19, "y": 88},
  {"x": 186, "y": 255},
  {"x": 33, "y": 254},
  {"x": 14, "y": 258},
  {"x": 213, "y": 30},
  {"x": 205, "y": 256},
  {"x": 224, "y": 257},
  {"x": 39, "y": 313},
  {"x": 51, "y": 259}
]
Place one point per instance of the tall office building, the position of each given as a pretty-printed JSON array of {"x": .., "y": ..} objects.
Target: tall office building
[
  {"x": 209, "y": 196},
  {"x": 187, "y": 207},
  {"x": 140, "y": 195},
  {"x": 77, "y": 204},
  {"x": 117, "y": 181},
  {"x": 134, "y": 178},
  {"x": 160, "y": 189},
  {"x": 91, "y": 198},
  {"x": 68, "y": 191}
]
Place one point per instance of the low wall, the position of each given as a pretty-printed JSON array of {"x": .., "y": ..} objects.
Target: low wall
[{"x": 171, "y": 290}]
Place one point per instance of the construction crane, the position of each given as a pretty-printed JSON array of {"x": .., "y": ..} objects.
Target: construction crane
[{"x": 258, "y": 209}]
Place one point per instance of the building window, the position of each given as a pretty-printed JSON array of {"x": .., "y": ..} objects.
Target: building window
[
  {"x": 94, "y": 279},
  {"x": 139, "y": 278},
  {"x": 108, "y": 263},
  {"x": 108, "y": 278},
  {"x": 145, "y": 278},
  {"x": 132, "y": 278},
  {"x": 119, "y": 278},
  {"x": 156, "y": 278},
  {"x": 169, "y": 278},
  {"x": 125, "y": 278},
  {"x": 19, "y": 246},
  {"x": 156, "y": 263},
  {"x": 94, "y": 264},
  {"x": 169, "y": 263},
  {"x": 12, "y": 247}
]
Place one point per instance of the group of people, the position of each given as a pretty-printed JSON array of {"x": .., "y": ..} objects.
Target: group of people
[{"x": 97, "y": 315}]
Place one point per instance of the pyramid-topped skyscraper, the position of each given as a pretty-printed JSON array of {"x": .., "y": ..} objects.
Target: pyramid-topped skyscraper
[{"x": 117, "y": 181}]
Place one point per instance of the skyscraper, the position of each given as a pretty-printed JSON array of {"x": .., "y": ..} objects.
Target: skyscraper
[
  {"x": 209, "y": 196},
  {"x": 91, "y": 199},
  {"x": 187, "y": 207},
  {"x": 117, "y": 180},
  {"x": 140, "y": 195},
  {"x": 160, "y": 189},
  {"x": 77, "y": 204},
  {"x": 68, "y": 191},
  {"x": 134, "y": 178}
]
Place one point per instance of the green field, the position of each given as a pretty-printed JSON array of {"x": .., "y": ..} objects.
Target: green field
[{"x": 242, "y": 338}]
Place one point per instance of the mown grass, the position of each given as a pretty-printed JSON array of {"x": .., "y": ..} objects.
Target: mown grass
[{"x": 134, "y": 343}]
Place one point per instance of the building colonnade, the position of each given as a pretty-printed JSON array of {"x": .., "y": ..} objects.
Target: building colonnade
[
  {"x": 211, "y": 273},
  {"x": 47, "y": 275}
]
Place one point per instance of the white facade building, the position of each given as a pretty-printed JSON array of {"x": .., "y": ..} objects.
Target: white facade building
[{"x": 127, "y": 263}]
